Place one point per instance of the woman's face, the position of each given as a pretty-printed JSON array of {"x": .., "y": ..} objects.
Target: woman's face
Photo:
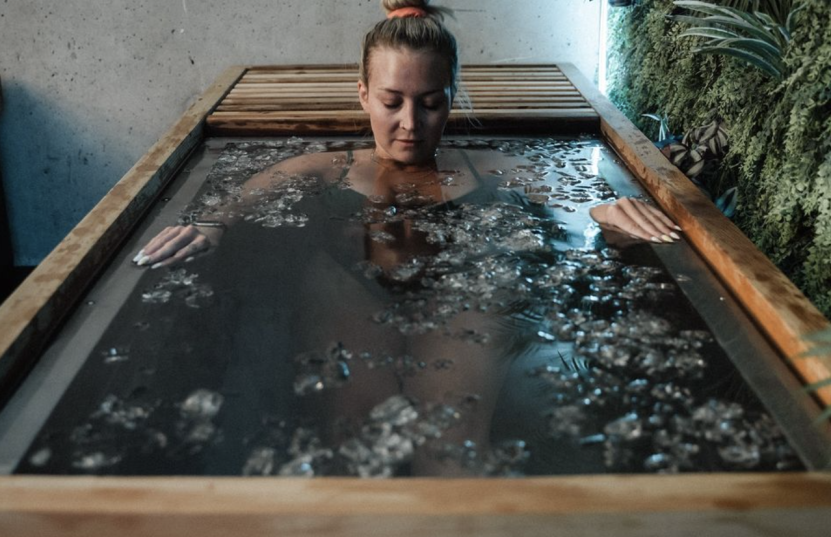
[{"x": 408, "y": 99}]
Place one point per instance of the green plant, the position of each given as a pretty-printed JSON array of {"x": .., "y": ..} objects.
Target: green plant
[
  {"x": 778, "y": 9},
  {"x": 700, "y": 145},
  {"x": 663, "y": 125},
  {"x": 754, "y": 37},
  {"x": 779, "y": 158},
  {"x": 701, "y": 149}
]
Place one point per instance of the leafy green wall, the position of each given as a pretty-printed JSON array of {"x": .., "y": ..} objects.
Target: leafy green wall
[{"x": 780, "y": 132}]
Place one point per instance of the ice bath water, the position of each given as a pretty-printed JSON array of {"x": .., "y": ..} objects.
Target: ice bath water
[{"x": 337, "y": 333}]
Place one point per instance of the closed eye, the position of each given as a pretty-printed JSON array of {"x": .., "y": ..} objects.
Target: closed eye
[{"x": 433, "y": 104}]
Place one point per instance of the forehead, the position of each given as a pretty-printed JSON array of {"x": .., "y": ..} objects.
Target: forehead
[{"x": 406, "y": 69}]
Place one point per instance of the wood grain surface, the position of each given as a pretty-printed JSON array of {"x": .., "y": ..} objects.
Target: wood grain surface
[
  {"x": 720, "y": 504},
  {"x": 323, "y": 100}
]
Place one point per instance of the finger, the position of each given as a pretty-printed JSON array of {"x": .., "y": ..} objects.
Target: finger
[
  {"x": 626, "y": 215},
  {"x": 651, "y": 212},
  {"x": 656, "y": 219},
  {"x": 153, "y": 244},
  {"x": 667, "y": 221},
  {"x": 200, "y": 244},
  {"x": 151, "y": 252},
  {"x": 183, "y": 239},
  {"x": 659, "y": 220},
  {"x": 161, "y": 239}
]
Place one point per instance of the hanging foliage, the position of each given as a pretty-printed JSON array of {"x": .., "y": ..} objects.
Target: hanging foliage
[
  {"x": 778, "y": 9},
  {"x": 754, "y": 37},
  {"x": 779, "y": 158}
]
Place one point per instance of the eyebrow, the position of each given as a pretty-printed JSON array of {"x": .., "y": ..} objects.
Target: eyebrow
[{"x": 425, "y": 94}]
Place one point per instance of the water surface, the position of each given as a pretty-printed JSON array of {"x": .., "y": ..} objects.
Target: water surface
[{"x": 495, "y": 332}]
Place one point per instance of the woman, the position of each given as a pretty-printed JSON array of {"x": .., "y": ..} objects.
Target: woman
[{"x": 409, "y": 75}]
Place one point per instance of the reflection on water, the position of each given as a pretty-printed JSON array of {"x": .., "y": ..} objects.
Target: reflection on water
[{"x": 335, "y": 333}]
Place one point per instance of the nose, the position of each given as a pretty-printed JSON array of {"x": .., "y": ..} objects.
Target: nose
[{"x": 409, "y": 117}]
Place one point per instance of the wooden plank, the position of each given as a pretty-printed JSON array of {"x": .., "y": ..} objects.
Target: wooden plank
[
  {"x": 353, "y": 84},
  {"x": 130, "y": 507},
  {"x": 468, "y": 71},
  {"x": 351, "y": 114},
  {"x": 782, "y": 312},
  {"x": 352, "y": 77},
  {"x": 334, "y": 98},
  {"x": 37, "y": 307},
  {"x": 576, "y": 123},
  {"x": 352, "y": 98},
  {"x": 499, "y": 67},
  {"x": 256, "y": 69},
  {"x": 479, "y": 106},
  {"x": 353, "y": 88},
  {"x": 265, "y": 89},
  {"x": 351, "y": 102},
  {"x": 566, "y": 494}
]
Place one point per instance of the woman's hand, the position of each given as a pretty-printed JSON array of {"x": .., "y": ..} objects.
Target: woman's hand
[
  {"x": 637, "y": 219},
  {"x": 177, "y": 243}
]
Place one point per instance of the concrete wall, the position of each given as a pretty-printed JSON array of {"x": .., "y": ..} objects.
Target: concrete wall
[{"x": 89, "y": 85}]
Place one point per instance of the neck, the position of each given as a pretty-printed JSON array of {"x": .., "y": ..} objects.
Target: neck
[{"x": 429, "y": 165}]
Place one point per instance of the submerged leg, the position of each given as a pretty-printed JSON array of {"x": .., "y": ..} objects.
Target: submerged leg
[
  {"x": 336, "y": 310},
  {"x": 462, "y": 374}
]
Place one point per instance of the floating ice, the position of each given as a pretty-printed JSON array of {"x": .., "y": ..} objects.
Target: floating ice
[
  {"x": 260, "y": 462},
  {"x": 95, "y": 461},
  {"x": 180, "y": 283},
  {"x": 202, "y": 404},
  {"x": 115, "y": 355},
  {"x": 115, "y": 411},
  {"x": 322, "y": 370},
  {"x": 310, "y": 458},
  {"x": 40, "y": 457},
  {"x": 397, "y": 411}
]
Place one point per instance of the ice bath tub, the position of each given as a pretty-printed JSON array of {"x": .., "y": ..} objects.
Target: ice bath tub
[{"x": 265, "y": 102}]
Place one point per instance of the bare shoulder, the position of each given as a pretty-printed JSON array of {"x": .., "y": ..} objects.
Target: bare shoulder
[{"x": 327, "y": 166}]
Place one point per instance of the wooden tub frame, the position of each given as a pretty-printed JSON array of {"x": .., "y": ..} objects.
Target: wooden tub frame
[{"x": 707, "y": 504}]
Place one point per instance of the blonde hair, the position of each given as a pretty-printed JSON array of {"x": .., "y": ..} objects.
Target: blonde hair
[{"x": 415, "y": 33}]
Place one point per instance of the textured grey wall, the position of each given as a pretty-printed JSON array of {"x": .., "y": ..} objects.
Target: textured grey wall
[{"x": 89, "y": 85}]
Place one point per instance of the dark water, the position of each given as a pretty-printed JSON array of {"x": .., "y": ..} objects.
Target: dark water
[{"x": 336, "y": 334}]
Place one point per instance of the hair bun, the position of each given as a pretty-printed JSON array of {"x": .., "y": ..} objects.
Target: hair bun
[
  {"x": 435, "y": 12},
  {"x": 393, "y": 5}
]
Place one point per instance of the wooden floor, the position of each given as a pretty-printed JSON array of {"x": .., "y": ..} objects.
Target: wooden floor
[{"x": 324, "y": 100}]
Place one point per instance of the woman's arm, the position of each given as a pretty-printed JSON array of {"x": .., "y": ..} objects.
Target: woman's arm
[
  {"x": 637, "y": 219},
  {"x": 631, "y": 216},
  {"x": 177, "y": 243}
]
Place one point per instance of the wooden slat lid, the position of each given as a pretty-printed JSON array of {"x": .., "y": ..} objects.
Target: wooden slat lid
[{"x": 324, "y": 100}]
